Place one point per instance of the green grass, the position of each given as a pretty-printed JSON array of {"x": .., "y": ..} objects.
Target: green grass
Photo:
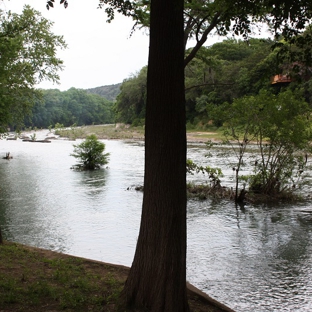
[
  {"x": 31, "y": 282},
  {"x": 36, "y": 280},
  {"x": 104, "y": 132},
  {"x": 124, "y": 132},
  {"x": 214, "y": 135}
]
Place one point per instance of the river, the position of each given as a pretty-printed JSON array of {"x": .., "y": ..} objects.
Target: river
[{"x": 255, "y": 258}]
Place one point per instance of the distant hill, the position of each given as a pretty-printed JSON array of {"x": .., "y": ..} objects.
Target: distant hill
[{"x": 109, "y": 92}]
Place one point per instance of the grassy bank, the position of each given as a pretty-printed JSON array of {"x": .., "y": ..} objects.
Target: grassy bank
[
  {"x": 39, "y": 280},
  {"x": 114, "y": 132},
  {"x": 123, "y": 132}
]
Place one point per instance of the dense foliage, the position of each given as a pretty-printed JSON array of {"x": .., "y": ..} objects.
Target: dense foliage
[
  {"x": 27, "y": 56},
  {"x": 131, "y": 102},
  {"x": 90, "y": 153},
  {"x": 73, "y": 106},
  {"x": 278, "y": 127},
  {"x": 220, "y": 73},
  {"x": 225, "y": 71}
]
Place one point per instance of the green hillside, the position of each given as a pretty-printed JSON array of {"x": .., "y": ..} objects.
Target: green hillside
[{"x": 109, "y": 92}]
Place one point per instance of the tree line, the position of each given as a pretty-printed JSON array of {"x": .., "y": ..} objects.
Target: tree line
[
  {"x": 27, "y": 57},
  {"x": 74, "y": 106},
  {"x": 219, "y": 74}
]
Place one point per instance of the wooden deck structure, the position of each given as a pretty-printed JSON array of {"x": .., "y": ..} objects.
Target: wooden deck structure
[{"x": 280, "y": 79}]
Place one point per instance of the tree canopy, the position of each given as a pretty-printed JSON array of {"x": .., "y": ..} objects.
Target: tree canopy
[
  {"x": 28, "y": 56},
  {"x": 223, "y": 17},
  {"x": 279, "y": 128},
  {"x": 74, "y": 106},
  {"x": 219, "y": 73},
  {"x": 90, "y": 154},
  {"x": 131, "y": 102}
]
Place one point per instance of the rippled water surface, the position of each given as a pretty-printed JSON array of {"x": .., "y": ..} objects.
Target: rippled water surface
[{"x": 256, "y": 258}]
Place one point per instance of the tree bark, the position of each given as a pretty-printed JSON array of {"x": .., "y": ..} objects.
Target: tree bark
[
  {"x": 1, "y": 240},
  {"x": 157, "y": 278}
]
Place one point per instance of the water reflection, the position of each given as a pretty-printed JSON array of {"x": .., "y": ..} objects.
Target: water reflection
[
  {"x": 249, "y": 257},
  {"x": 92, "y": 183},
  {"x": 254, "y": 259}
]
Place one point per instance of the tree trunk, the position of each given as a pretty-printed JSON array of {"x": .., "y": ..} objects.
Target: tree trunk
[
  {"x": 1, "y": 240},
  {"x": 157, "y": 278}
]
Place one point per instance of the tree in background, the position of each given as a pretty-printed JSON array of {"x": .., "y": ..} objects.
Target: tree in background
[
  {"x": 90, "y": 153},
  {"x": 224, "y": 71},
  {"x": 218, "y": 73},
  {"x": 74, "y": 106},
  {"x": 28, "y": 56},
  {"x": 279, "y": 126},
  {"x": 282, "y": 127},
  {"x": 131, "y": 102}
]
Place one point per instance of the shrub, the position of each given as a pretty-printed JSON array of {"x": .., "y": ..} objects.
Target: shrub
[{"x": 90, "y": 153}]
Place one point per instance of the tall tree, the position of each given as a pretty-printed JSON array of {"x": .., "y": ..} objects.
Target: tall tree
[
  {"x": 157, "y": 278},
  {"x": 27, "y": 56},
  {"x": 1, "y": 240}
]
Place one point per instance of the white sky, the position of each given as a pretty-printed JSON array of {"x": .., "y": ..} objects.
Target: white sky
[{"x": 98, "y": 53}]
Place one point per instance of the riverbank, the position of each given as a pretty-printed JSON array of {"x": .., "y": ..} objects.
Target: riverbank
[
  {"x": 124, "y": 132},
  {"x": 34, "y": 279}
]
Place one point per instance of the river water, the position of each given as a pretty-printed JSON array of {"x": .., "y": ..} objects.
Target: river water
[{"x": 255, "y": 258}]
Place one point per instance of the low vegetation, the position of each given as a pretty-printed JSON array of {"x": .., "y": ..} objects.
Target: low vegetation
[
  {"x": 39, "y": 280},
  {"x": 111, "y": 131},
  {"x": 127, "y": 132}
]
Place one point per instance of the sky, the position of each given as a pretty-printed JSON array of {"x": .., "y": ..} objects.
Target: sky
[{"x": 98, "y": 53}]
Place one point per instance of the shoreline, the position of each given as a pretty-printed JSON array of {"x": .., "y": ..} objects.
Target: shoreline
[{"x": 193, "y": 291}]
